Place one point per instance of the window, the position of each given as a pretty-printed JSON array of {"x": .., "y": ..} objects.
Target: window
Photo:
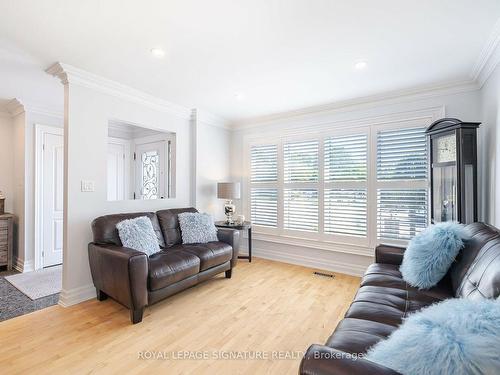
[
  {"x": 402, "y": 183},
  {"x": 345, "y": 196},
  {"x": 264, "y": 182},
  {"x": 301, "y": 173},
  {"x": 359, "y": 186}
]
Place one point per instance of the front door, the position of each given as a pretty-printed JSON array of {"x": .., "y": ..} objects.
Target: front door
[{"x": 53, "y": 189}]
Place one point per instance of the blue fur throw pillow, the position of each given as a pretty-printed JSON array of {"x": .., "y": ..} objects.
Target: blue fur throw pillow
[
  {"x": 457, "y": 336},
  {"x": 197, "y": 227},
  {"x": 138, "y": 234},
  {"x": 430, "y": 254}
]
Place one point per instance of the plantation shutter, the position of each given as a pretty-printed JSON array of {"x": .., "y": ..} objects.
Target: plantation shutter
[
  {"x": 402, "y": 154},
  {"x": 345, "y": 194},
  {"x": 345, "y": 158},
  {"x": 263, "y": 185},
  {"x": 401, "y": 209},
  {"x": 401, "y": 213},
  {"x": 300, "y": 195},
  {"x": 301, "y": 161}
]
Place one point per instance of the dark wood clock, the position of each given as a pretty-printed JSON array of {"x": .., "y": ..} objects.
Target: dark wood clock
[{"x": 453, "y": 170}]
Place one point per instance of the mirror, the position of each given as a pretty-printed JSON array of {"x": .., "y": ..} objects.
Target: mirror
[{"x": 140, "y": 162}]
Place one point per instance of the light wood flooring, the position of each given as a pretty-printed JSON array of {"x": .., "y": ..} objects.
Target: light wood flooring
[{"x": 266, "y": 307}]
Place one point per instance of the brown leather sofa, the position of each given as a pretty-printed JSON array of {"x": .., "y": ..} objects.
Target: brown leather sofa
[
  {"x": 136, "y": 280},
  {"x": 384, "y": 299}
]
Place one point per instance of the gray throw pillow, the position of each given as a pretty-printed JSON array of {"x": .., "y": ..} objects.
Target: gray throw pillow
[
  {"x": 138, "y": 234},
  {"x": 197, "y": 228}
]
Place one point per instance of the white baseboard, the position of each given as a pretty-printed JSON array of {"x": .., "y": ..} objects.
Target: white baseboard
[
  {"x": 21, "y": 266},
  {"x": 354, "y": 265},
  {"x": 73, "y": 296}
]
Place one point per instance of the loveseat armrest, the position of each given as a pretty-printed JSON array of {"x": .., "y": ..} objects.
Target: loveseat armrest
[
  {"x": 323, "y": 360},
  {"x": 389, "y": 254},
  {"x": 232, "y": 238},
  {"x": 122, "y": 274}
]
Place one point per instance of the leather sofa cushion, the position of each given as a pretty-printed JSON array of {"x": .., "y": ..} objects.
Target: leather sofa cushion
[
  {"x": 169, "y": 224},
  {"x": 386, "y": 298},
  {"x": 169, "y": 266},
  {"x": 482, "y": 279},
  {"x": 105, "y": 232},
  {"x": 357, "y": 335},
  {"x": 481, "y": 234},
  {"x": 210, "y": 254}
]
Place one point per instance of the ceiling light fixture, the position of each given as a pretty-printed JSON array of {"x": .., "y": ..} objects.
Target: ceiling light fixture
[
  {"x": 360, "y": 65},
  {"x": 157, "y": 52}
]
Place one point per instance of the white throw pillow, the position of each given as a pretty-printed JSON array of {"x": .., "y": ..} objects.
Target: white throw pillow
[
  {"x": 138, "y": 234},
  {"x": 197, "y": 228}
]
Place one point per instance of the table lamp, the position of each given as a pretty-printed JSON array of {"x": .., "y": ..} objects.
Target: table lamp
[{"x": 229, "y": 191}]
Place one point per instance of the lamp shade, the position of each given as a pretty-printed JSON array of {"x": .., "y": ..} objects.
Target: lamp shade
[{"x": 228, "y": 190}]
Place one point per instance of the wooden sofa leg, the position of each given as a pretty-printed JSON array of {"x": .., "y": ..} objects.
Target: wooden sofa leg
[
  {"x": 229, "y": 273},
  {"x": 101, "y": 296},
  {"x": 136, "y": 315}
]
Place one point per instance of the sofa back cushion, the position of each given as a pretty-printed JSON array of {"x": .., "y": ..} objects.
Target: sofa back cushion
[
  {"x": 476, "y": 271},
  {"x": 169, "y": 224},
  {"x": 105, "y": 232}
]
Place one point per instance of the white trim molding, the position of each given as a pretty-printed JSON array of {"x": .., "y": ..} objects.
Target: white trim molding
[
  {"x": 73, "y": 296},
  {"x": 71, "y": 75},
  {"x": 208, "y": 118},
  {"x": 21, "y": 266},
  {"x": 367, "y": 102},
  {"x": 489, "y": 57},
  {"x": 314, "y": 258}
]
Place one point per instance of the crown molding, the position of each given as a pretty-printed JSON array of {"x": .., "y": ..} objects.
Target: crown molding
[
  {"x": 489, "y": 57},
  {"x": 208, "y": 118},
  {"x": 71, "y": 75},
  {"x": 388, "y": 98},
  {"x": 14, "y": 107}
]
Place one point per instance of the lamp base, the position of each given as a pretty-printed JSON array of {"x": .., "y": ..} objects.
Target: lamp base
[{"x": 229, "y": 210}]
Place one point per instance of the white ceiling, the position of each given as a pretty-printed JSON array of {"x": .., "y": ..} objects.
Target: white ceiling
[{"x": 278, "y": 55}]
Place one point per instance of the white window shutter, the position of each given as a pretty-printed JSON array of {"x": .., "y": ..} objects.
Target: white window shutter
[{"x": 402, "y": 154}]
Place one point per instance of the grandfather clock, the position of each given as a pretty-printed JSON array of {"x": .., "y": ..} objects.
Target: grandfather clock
[{"x": 453, "y": 170}]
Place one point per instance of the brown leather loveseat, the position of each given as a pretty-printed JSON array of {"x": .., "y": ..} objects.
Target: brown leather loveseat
[
  {"x": 384, "y": 299},
  {"x": 136, "y": 280}
]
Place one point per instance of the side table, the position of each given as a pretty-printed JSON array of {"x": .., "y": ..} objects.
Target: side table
[{"x": 245, "y": 226}]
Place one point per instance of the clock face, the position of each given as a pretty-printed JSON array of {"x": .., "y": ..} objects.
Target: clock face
[{"x": 446, "y": 148}]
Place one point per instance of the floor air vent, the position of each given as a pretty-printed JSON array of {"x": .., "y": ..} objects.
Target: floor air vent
[{"x": 323, "y": 274}]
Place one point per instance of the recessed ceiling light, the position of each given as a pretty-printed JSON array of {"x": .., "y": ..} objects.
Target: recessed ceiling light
[
  {"x": 157, "y": 52},
  {"x": 360, "y": 65}
]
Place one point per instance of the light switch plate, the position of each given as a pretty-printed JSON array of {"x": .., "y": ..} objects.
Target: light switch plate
[{"x": 88, "y": 186}]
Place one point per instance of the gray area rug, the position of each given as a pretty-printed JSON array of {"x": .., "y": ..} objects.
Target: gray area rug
[
  {"x": 14, "y": 303},
  {"x": 38, "y": 284}
]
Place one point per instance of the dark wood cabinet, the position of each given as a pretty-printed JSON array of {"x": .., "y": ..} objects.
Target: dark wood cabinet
[{"x": 453, "y": 170}]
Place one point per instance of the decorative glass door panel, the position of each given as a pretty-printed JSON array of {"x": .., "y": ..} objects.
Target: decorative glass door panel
[{"x": 151, "y": 170}]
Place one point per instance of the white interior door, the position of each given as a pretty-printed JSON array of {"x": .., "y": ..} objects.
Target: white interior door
[
  {"x": 118, "y": 169},
  {"x": 53, "y": 190},
  {"x": 151, "y": 170}
]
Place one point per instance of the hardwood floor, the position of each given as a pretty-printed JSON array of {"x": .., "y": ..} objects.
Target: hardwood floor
[{"x": 266, "y": 307}]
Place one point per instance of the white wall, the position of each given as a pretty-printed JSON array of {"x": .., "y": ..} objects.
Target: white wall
[
  {"x": 212, "y": 165},
  {"x": 87, "y": 112},
  {"x": 490, "y": 108},
  {"x": 7, "y": 160},
  {"x": 463, "y": 105}
]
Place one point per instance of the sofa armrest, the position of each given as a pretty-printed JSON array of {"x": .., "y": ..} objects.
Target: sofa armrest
[
  {"x": 231, "y": 237},
  {"x": 121, "y": 273},
  {"x": 389, "y": 254},
  {"x": 323, "y": 360}
]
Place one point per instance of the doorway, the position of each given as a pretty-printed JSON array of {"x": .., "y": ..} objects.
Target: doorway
[{"x": 49, "y": 193}]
